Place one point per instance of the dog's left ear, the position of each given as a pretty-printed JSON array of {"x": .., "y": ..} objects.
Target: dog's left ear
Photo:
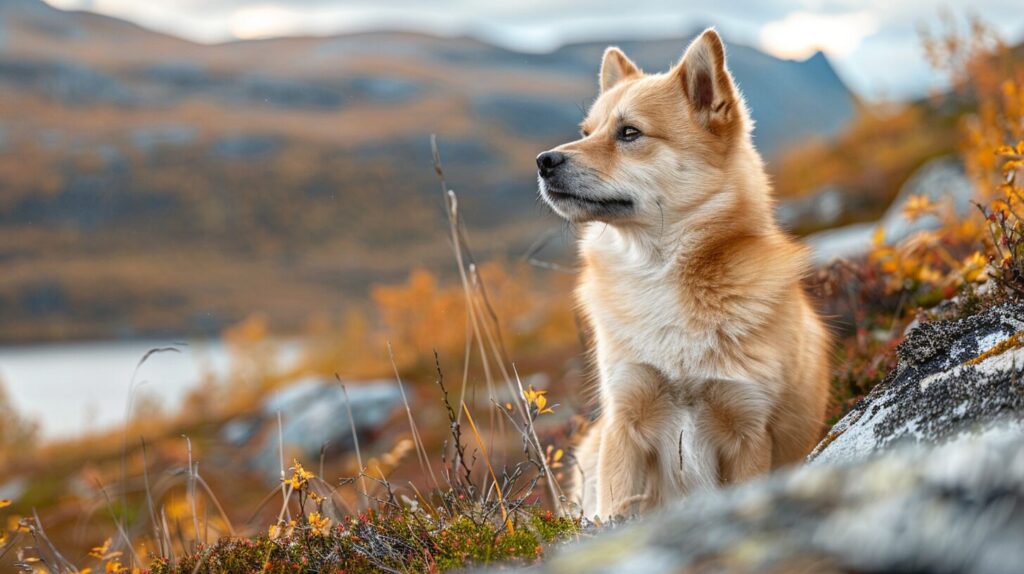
[{"x": 707, "y": 84}]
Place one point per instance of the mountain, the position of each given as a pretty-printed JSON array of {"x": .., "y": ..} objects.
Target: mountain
[{"x": 152, "y": 184}]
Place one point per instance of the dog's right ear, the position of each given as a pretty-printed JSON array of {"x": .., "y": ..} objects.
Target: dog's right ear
[
  {"x": 615, "y": 67},
  {"x": 708, "y": 85}
]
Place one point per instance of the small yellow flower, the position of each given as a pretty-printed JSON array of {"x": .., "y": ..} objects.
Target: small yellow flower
[
  {"x": 974, "y": 268},
  {"x": 554, "y": 457},
  {"x": 536, "y": 399},
  {"x": 928, "y": 274},
  {"x": 918, "y": 205},
  {"x": 320, "y": 524},
  {"x": 300, "y": 476},
  {"x": 274, "y": 531},
  {"x": 878, "y": 237}
]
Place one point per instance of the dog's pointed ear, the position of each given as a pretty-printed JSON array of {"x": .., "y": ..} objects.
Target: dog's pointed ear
[
  {"x": 615, "y": 67},
  {"x": 707, "y": 84}
]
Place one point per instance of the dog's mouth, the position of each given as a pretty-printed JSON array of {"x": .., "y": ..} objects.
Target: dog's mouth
[{"x": 608, "y": 203}]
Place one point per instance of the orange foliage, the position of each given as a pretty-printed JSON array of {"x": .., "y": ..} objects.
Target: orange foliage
[
  {"x": 937, "y": 264},
  {"x": 869, "y": 160},
  {"x": 417, "y": 316},
  {"x": 984, "y": 68},
  {"x": 422, "y": 314}
]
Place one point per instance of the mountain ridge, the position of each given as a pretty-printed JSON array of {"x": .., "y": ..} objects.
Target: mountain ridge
[{"x": 288, "y": 157}]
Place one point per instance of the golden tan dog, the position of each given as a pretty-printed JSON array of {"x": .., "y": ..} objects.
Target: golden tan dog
[{"x": 713, "y": 365}]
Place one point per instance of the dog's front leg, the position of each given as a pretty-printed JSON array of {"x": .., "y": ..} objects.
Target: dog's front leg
[
  {"x": 583, "y": 491},
  {"x": 621, "y": 473},
  {"x": 735, "y": 419},
  {"x": 638, "y": 410}
]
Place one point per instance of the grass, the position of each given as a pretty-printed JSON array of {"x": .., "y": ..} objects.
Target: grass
[{"x": 399, "y": 540}]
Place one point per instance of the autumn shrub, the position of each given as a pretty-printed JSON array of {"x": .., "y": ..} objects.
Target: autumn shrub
[{"x": 963, "y": 263}]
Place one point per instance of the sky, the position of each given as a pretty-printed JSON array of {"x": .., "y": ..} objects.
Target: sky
[{"x": 874, "y": 44}]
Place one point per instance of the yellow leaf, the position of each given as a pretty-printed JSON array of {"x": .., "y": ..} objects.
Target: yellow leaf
[
  {"x": 974, "y": 268},
  {"x": 928, "y": 274},
  {"x": 100, "y": 551},
  {"x": 878, "y": 237},
  {"x": 918, "y": 205}
]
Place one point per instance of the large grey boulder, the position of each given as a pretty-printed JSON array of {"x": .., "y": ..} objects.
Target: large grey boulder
[
  {"x": 820, "y": 208},
  {"x": 925, "y": 475},
  {"x": 314, "y": 415},
  {"x": 956, "y": 508},
  {"x": 940, "y": 180}
]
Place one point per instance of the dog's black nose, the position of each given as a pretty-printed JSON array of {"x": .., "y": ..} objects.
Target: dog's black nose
[{"x": 548, "y": 161}]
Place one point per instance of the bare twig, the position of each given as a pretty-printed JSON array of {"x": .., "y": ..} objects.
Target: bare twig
[
  {"x": 421, "y": 452},
  {"x": 355, "y": 437}
]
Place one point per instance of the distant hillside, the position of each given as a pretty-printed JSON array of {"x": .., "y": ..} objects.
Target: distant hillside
[{"x": 152, "y": 184}]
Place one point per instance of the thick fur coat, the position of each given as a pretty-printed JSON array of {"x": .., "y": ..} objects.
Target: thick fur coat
[{"x": 712, "y": 362}]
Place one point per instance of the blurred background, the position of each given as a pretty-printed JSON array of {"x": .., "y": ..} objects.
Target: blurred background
[{"x": 208, "y": 209}]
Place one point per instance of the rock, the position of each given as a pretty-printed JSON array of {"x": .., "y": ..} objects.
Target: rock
[
  {"x": 957, "y": 508},
  {"x": 951, "y": 379},
  {"x": 846, "y": 241},
  {"x": 313, "y": 413},
  {"x": 13, "y": 488},
  {"x": 821, "y": 208},
  {"x": 926, "y": 474},
  {"x": 940, "y": 179}
]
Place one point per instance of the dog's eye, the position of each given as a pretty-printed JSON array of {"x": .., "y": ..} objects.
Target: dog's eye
[
  {"x": 629, "y": 133},
  {"x": 584, "y": 133}
]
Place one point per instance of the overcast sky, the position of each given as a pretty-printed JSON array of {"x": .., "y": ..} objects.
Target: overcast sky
[{"x": 874, "y": 44}]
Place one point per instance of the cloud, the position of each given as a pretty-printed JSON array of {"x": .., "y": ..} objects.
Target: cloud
[
  {"x": 856, "y": 34},
  {"x": 263, "y": 21},
  {"x": 801, "y": 34}
]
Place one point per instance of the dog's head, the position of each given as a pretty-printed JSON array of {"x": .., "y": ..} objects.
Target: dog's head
[{"x": 652, "y": 145}]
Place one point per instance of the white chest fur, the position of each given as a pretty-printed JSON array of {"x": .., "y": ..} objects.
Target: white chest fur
[{"x": 633, "y": 300}]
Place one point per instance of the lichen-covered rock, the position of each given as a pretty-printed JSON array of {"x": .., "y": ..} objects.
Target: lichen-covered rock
[
  {"x": 953, "y": 377},
  {"x": 958, "y": 507},
  {"x": 926, "y": 474}
]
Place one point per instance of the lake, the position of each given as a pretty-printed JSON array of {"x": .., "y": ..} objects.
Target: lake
[{"x": 77, "y": 388}]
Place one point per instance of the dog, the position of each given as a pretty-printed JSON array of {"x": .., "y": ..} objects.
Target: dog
[{"x": 712, "y": 363}]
